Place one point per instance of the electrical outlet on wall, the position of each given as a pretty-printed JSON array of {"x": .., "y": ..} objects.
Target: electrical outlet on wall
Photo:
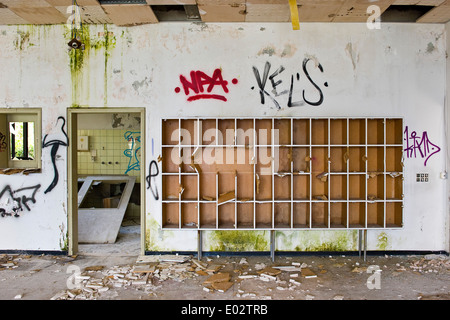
[{"x": 422, "y": 177}]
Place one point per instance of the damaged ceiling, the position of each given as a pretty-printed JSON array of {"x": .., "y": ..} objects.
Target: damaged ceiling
[{"x": 136, "y": 12}]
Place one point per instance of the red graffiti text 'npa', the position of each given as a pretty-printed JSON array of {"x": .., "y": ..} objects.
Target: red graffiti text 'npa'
[{"x": 201, "y": 82}]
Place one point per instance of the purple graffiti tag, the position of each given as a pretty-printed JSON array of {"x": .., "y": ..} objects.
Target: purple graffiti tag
[{"x": 419, "y": 146}]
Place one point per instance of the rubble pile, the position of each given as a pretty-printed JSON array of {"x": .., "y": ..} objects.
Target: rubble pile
[
  {"x": 431, "y": 264},
  {"x": 150, "y": 271}
]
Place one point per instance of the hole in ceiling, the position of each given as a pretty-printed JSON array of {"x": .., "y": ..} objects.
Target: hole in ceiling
[
  {"x": 406, "y": 13},
  {"x": 176, "y": 12},
  {"x": 122, "y": 1}
]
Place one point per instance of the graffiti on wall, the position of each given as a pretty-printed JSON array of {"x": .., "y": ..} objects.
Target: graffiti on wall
[
  {"x": 153, "y": 172},
  {"x": 134, "y": 140},
  {"x": 200, "y": 85},
  {"x": 12, "y": 202},
  {"x": 3, "y": 144},
  {"x": 277, "y": 88},
  {"x": 55, "y": 144},
  {"x": 419, "y": 146}
]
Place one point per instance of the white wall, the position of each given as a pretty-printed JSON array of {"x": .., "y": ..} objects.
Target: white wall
[
  {"x": 399, "y": 70},
  {"x": 447, "y": 106}
]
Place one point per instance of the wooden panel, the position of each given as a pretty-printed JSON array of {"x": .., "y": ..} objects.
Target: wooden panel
[
  {"x": 25, "y": 3},
  {"x": 80, "y": 3},
  {"x": 356, "y": 10},
  {"x": 9, "y": 17},
  {"x": 267, "y": 12},
  {"x": 89, "y": 14},
  {"x": 222, "y": 13},
  {"x": 318, "y": 12},
  {"x": 439, "y": 14},
  {"x": 128, "y": 15},
  {"x": 41, "y": 15}
]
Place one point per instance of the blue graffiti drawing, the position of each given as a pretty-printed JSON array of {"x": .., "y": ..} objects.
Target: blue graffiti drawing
[
  {"x": 419, "y": 146},
  {"x": 133, "y": 150}
]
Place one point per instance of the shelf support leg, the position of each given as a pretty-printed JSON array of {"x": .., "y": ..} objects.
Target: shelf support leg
[
  {"x": 365, "y": 244},
  {"x": 199, "y": 245},
  {"x": 359, "y": 242},
  {"x": 272, "y": 245}
]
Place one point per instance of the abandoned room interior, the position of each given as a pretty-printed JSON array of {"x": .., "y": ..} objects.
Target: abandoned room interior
[{"x": 205, "y": 127}]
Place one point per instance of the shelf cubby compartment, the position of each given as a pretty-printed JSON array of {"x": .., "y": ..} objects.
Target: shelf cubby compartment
[
  {"x": 375, "y": 214},
  {"x": 189, "y": 185},
  {"x": 356, "y": 159},
  {"x": 226, "y": 132},
  {"x": 209, "y": 132},
  {"x": 394, "y": 214},
  {"x": 357, "y": 131},
  {"x": 189, "y": 215},
  {"x": 263, "y": 215},
  {"x": 170, "y": 132},
  {"x": 244, "y": 132},
  {"x": 208, "y": 213},
  {"x": 375, "y": 186},
  {"x": 301, "y": 132},
  {"x": 375, "y": 159},
  {"x": 338, "y": 159},
  {"x": 263, "y": 174},
  {"x": 282, "y": 131},
  {"x": 338, "y": 214},
  {"x": 171, "y": 215},
  {"x": 263, "y": 128},
  {"x": 245, "y": 214},
  {"x": 338, "y": 187},
  {"x": 226, "y": 185},
  {"x": 245, "y": 186},
  {"x": 282, "y": 187},
  {"x": 301, "y": 159},
  {"x": 375, "y": 131},
  {"x": 319, "y": 131},
  {"x": 186, "y": 160},
  {"x": 226, "y": 215},
  {"x": 282, "y": 215},
  {"x": 357, "y": 214},
  {"x": 208, "y": 186},
  {"x": 301, "y": 187},
  {"x": 170, "y": 187},
  {"x": 301, "y": 215},
  {"x": 394, "y": 156},
  {"x": 319, "y": 159},
  {"x": 357, "y": 187},
  {"x": 319, "y": 214},
  {"x": 171, "y": 157},
  {"x": 189, "y": 132},
  {"x": 282, "y": 159},
  {"x": 394, "y": 131},
  {"x": 338, "y": 131},
  {"x": 394, "y": 187}
]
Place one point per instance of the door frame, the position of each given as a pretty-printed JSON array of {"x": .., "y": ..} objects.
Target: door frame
[{"x": 72, "y": 163}]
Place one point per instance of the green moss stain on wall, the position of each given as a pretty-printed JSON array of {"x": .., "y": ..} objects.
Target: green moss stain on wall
[
  {"x": 79, "y": 59},
  {"x": 382, "y": 242},
  {"x": 231, "y": 240},
  {"x": 310, "y": 241}
]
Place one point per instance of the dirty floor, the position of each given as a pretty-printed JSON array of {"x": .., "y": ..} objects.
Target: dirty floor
[{"x": 179, "y": 277}]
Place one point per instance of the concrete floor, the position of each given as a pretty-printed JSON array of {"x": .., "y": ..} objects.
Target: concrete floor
[{"x": 336, "y": 277}]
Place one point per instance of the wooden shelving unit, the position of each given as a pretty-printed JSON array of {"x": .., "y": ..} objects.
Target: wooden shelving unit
[{"x": 282, "y": 173}]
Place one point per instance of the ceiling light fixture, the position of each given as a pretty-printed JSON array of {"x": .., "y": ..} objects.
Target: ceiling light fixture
[{"x": 76, "y": 43}]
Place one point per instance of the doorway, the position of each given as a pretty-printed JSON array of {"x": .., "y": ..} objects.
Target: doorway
[{"x": 106, "y": 181}]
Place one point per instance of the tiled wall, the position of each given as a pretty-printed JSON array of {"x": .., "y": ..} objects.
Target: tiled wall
[{"x": 110, "y": 145}]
